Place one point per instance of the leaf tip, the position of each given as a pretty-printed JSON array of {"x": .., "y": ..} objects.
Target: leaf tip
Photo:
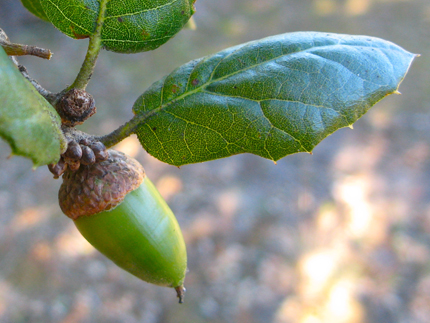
[
  {"x": 397, "y": 92},
  {"x": 351, "y": 126}
]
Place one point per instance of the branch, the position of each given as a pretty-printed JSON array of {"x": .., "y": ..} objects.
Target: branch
[
  {"x": 49, "y": 96},
  {"x": 13, "y": 49}
]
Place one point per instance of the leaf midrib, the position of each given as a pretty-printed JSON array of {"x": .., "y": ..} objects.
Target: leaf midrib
[{"x": 152, "y": 112}]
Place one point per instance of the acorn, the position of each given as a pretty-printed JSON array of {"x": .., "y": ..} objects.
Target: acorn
[{"x": 120, "y": 212}]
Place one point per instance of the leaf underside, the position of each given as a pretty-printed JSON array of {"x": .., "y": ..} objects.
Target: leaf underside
[
  {"x": 129, "y": 26},
  {"x": 28, "y": 122},
  {"x": 273, "y": 97}
]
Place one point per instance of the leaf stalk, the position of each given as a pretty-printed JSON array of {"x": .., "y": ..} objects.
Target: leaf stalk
[
  {"x": 94, "y": 46},
  {"x": 120, "y": 133}
]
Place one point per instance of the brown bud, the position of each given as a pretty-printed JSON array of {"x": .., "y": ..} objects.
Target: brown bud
[
  {"x": 85, "y": 141},
  {"x": 75, "y": 107},
  {"x": 74, "y": 150},
  {"x": 88, "y": 156},
  {"x": 101, "y": 156},
  {"x": 58, "y": 169},
  {"x": 99, "y": 150},
  {"x": 73, "y": 164},
  {"x": 97, "y": 146}
]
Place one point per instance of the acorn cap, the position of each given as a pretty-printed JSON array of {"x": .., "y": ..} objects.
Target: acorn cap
[{"x": 99, "y": 187}]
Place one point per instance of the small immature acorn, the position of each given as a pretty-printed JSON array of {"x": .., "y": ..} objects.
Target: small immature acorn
[
  {"x": 88, "y": 157},
  {"x": 59, "y": 168},
  {"x": 99, "y": 150},
  {"x": 73, "y": 164},
  {"x": 120, "y": 212},
  {"x": 86, "y": 152},
  {"x": 75, "y": 107},
  {"x": 74, "y": 150}
]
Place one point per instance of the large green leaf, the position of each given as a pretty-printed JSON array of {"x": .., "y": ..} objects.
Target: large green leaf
[
  {"x": 35, "y": 8},
  {"x": 28, "y": 122},
  {"x": 273, "y": 97},
  {"x": 129, "y": 26}
]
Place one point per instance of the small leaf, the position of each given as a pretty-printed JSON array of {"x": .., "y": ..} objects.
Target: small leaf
[
  {"x": 273, "y": 97},
  {"x": 28, "y": 122},
  {"x": 129, "y": 26},
  {"x": 35, "y": 8}
]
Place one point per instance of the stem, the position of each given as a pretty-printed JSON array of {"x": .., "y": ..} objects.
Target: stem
[
  {"x": 180, "y": 291},
  {"x": 93, "y": 51},
  {"x": 119, "y": 134}
]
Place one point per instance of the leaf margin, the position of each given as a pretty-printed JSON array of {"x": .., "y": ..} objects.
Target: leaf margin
[
  {"x": 34, "y": 122},
  {"x": 35, "y": 7},
  {"x": 88, "y": 11}
]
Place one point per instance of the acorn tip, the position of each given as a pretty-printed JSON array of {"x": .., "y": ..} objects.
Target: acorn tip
[{"x": 180, "y": 292}]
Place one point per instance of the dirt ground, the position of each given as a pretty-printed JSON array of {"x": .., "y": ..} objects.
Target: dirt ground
[{"x": 340, "y": 236}]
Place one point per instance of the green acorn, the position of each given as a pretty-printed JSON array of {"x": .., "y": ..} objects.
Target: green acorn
[{"x": 120, "y": 212}]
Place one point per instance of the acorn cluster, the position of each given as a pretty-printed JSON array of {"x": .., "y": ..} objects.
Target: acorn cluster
[
  {"x": 82, "y": 152},
  {"x": 74, "y": 107}
]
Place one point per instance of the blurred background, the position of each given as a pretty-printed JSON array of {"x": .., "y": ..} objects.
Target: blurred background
[{"x": 340, "y": 236}]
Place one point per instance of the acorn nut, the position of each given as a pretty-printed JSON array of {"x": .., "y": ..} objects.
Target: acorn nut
[{"x": 120, "y": 212}]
